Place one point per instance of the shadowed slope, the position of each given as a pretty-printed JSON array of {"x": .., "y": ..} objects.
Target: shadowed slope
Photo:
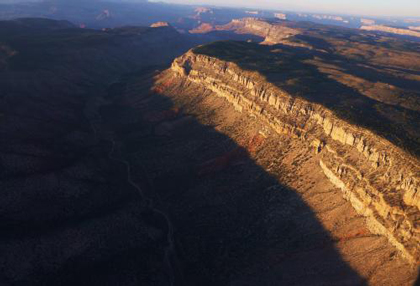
[
  {"x": 68, "y": 214},
  {"x": 108, "y": 184},
  {"x": 235, "y": 223}
]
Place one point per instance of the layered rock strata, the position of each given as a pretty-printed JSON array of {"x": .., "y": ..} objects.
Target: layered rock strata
[
  {"x": 392, "y": 30},
  {"x": 273, "y": 33},
  {"x": 379, "y": 179}
]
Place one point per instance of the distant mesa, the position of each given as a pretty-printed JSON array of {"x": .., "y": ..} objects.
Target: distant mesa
[
  {"x": 280, "y": 16},
  {"x": 203, "y": 29},
  {"x": 328, "y": 17},
  {"x": 160, "y": 24},
  {"x": 392, "y": 30},
  {"x": 272, "y": 32},
  {"x": 203, "y": 10},
  {"x": 367, "y": 21}
]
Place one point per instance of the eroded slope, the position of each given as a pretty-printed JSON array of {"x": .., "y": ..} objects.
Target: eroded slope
[
  {"x": 68, "y": 213},
  {"x": 249, "y": 206},
  {"x": 380, "y": 179}
]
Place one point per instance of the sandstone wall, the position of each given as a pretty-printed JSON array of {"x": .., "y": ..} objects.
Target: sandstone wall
[
  {"x": 273, "y": 33},
  {"x": 405, "y": 32},
  {"x": 380, "y": 180}
]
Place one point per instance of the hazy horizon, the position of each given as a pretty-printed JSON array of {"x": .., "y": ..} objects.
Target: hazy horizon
[
  {"x": 384, "y": 8},
  {"x": 378, "y": 8}
]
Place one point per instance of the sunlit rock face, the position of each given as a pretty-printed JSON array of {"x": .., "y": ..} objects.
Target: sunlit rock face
[
  {"x": 392, "y": 30},
  {"x": 273, "y": 33},
  {"x": 379, "y": 179},
  {"x": 160, "y": 24},
  {"x": 119, "y": 168}
]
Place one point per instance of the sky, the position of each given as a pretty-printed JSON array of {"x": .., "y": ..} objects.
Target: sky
[{"x": 356, "y": 7}]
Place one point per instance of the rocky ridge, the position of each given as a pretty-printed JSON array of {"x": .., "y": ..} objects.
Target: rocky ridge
[
  {"x": 392, "y": 30},
  {"x": 273, "y": 33},
  {"x": 160, "y": 24},
  {"x": 379, "y": 179}
]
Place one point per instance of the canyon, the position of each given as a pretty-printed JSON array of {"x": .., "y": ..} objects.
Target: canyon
[
  {"x": 287, "y": 155},
  {"x": 380, "y": 180},
  {"x": 69, "y": 213}
]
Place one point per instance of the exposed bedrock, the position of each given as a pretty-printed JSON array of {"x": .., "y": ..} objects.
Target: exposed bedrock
[
  {"x": 392, "y": 30},
  {"x": 273, "y": 33},
  {"x": 379, "y": 179}
]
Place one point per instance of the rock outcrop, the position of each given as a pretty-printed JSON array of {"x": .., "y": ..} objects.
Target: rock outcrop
[
  {"x": 367, "y": 22},
  {"x": 379, "y": 179},
  {"x": 202, "y": 29},
  {"x": 392, "y": 30},
  {"x": 160, "y": 24},
  {"x": 280, "y": 16},
  {"x": 273, "y": 33}
]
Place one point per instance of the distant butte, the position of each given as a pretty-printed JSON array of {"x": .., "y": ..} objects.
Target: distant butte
[{"x": 160, "y": 24}]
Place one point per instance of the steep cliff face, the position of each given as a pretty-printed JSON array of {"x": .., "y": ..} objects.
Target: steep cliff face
[
  {"x": 273, "y": 33},
  {"x": 392, "y": 30},
  {"x": 378, "y": 178},
  {"x": 160, "y": 24}
]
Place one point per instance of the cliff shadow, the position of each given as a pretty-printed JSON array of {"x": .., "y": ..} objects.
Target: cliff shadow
[
  {"x": 234, "y": 223},
  {"x": 293, "y": 70}
]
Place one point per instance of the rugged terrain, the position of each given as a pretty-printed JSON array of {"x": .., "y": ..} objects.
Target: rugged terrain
[
  {"x": 289, "y": 163},
  {"x": 249, "y": 206},
  {"x": 113, "y": 13},
  {"x": 392, "y": 30},
  {"x": 339, "y": 68},
  {"x": 68, "y": 213},
  {"x": 380, "y": 178},
  {"x": 234, "y": 125}
]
